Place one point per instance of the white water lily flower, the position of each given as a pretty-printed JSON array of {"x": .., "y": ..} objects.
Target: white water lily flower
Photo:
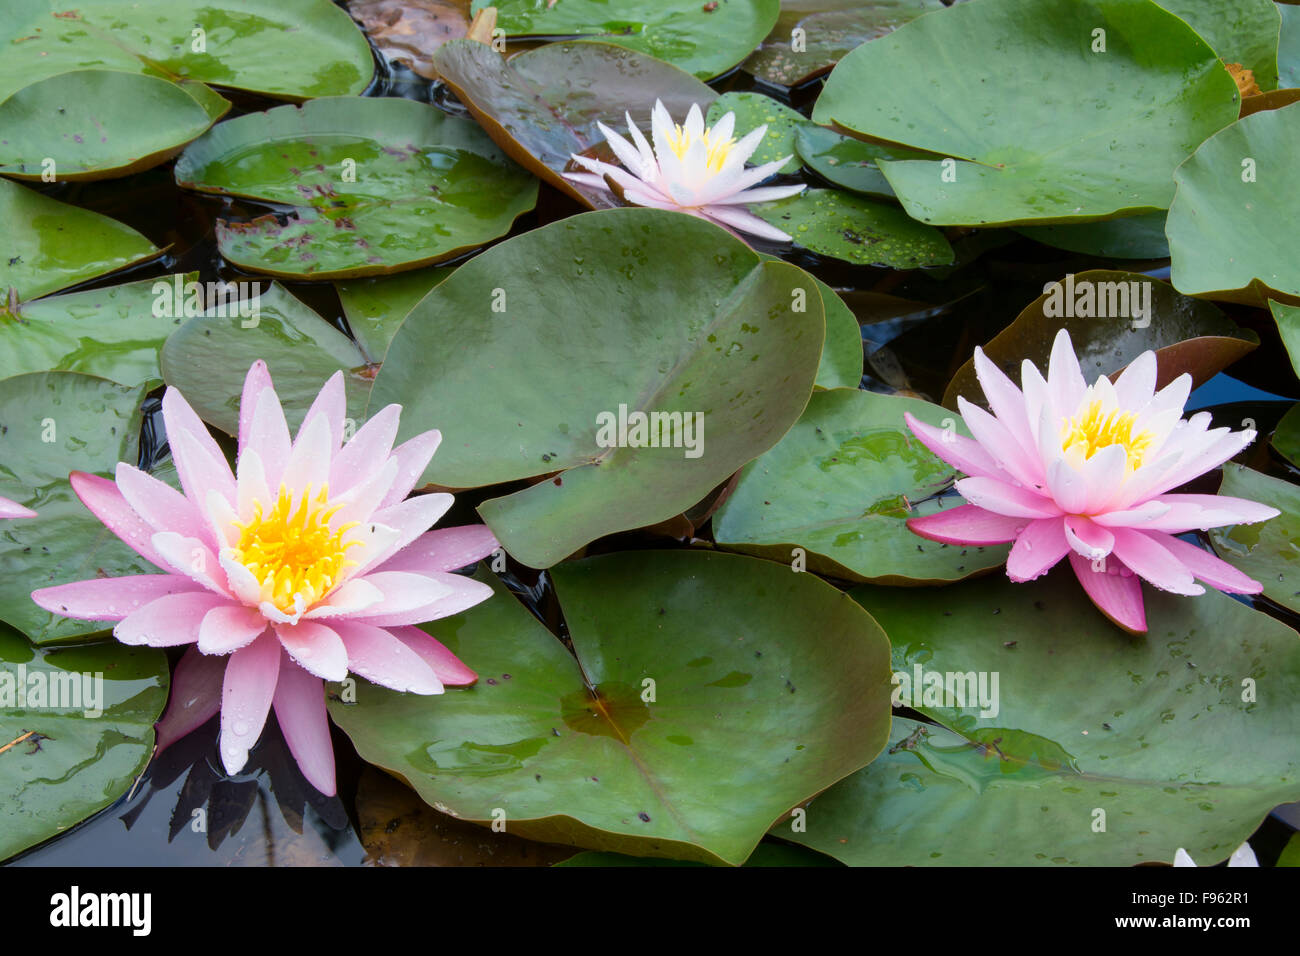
[
  {"x": 692, "y": 169},
  {"x": 1242, "y": 856}
]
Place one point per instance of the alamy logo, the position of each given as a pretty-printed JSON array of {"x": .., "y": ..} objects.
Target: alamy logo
[
  {"x": 923, "y": 688},
  {"x": 178, "y": 299},
  {"x": 52, "y": 690},
  {"x": 1086, "y": 299},
  {"x": 74, "y": 908},
  {"x": 638, "y": 429}
]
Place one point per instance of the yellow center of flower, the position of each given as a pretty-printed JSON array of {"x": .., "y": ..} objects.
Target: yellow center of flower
[
  {"x": 715, "y": 150},
  {"x": 292, "y": 550},
  {"x": 1095, "y": 430}
]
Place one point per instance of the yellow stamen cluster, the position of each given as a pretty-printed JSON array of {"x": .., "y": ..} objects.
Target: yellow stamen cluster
[
  {"x": 293, "y": 550},
  {"x": 1095, "y": 429},
  {"x": 715, "y": 150}
]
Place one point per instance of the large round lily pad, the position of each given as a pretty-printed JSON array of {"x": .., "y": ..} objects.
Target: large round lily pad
[
  {"x": 53, "y": 423},
  {"x": 764, "y": 687},
  {"x": 301, "y": 349},
  {"x": 80, "y": 736},
  {"x": 1104, "y": 749},
  {"x": 291, "y": 48},
  {"x": 1228, "y": 232},
  {"x": 87, "y": 124},
  {"x": 377, "y": 185},
  {"x": 1115, "y": 328},
  {"x": 48, "y": 245},
  {"x": 1038, "y": 126},
  {"x": 541, "y": 106},
  {"x": 1240, "y": 31},
  {"x": 705, "y": 39},
  {"x": 1267, "y": 551},
  {"x": 841, "y": 485},
  {"x": 114, "y": 332},
  {"x": 849, "y": 162},
  {"x": 542, "y": 354}
]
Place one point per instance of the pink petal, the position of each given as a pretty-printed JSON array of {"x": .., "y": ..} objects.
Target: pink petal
[
  {"x": 1088, "y": 538},
  {"x": 967, "y": 525},
  {"x": 257, "y": 379},
  {"x": 111, "y": 599},
  {"x": 330, "y": 404},
  {"x": 199, "y": 462},
  {"x": 964, "y": 454},
  {"x": 404, "y": 590},
  {"x": 1118, "y": 596},
  {"x": 367, "y": 451},
  {"x": 228, "y": 627},
  {"x": 1065, "y": 382},
  {"x": 464, "y": 594},
  {"x": 410, "y": 518},
  {"x": 1038, "y": 548},
  {"x": 195, "y": 697},
  {"x": 743, "y": 221},
  {"x": 246, "y": 695},
  {"x": 412, "y": 458},
  {"x": 304, "y": 721},
  {"x": 160, "y": 505},
  {"x": 192, "y": 558},
  {"x": 1148, "y": 558},
  {"x": 382, "y": 659},
  {"x": 1006, "y": 401},
  {"x": 346, "y": 600},
  {"x": 268, "y": 433},
  {"x": 316, "y": 648},
  {"x": 999, "y": 442},
  {"x": 444, "y": 549},
  {"x": 1102, "y": 474},
  {"x": 169, "y": 620},
  {"x": 1242, "y": 510},
  {"x": 1131, "y": 517},
  {"x": 12, "y": 509},
  {"x": 1006, "y": 499},
  {"x": 451, "y": 670},
  {"x": 1136, "y": 385},
  {"x": 107, "y": 504},
  {"x": 1208, "y": 568}
]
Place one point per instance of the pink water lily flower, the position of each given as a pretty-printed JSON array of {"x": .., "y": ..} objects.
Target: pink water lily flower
[
  {"x": 1063, "y": 468},
  {"x": 692, "y": 169},
  {"x": 12, "y": 509},
  {"x": 308, "y": 562}
]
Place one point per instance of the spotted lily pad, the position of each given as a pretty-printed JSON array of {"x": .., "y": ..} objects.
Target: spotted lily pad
[
  {"x": 1074, "y": 150},
  {"x": 81, "y": 735},
  {"x": 710, "y": 694},
  {"x": 377, "y": 185},
  {"x": 53, "y": 423},
  {"x": 525, "y": 378},
  {"x": 705, "y": 39},
  {"x": 754, "y": 110},
  {"x": 1101, "y": 749},
  {"x": 48, "y": 245},
  {"x": 839, "y": 488},
  {"x": 1266, "y": 551},
  {"x": 541, "y": 106},
  {"x": 855, "y": 229},
  {"x": 1226, "y": 237},
  {"x": 1110, "y": 326},
  {"x": 302, "y": 350}
]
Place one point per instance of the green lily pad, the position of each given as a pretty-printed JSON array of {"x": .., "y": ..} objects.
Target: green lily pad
[
  {"x": 754, "y": 110},
  {"x": 1182, "y": 738},
  {"x": 856, "y": 229},
  {"x": 301, "y": 349},
  {"x": 1187, "y": 335},
  {"x": 849, "y": 162},
  {"x": 376, "y": 307},
  {"x": 765, "y": 687},
  {"x": 531, "y": 355},
  {"x": 1288, "y": 48},
  {"x": 1286, "y": 437},
  {"x": 828, "y": 30},
  {"x": 701, "y": 38},
  {"x": 1037, "y": 127},
  {"x": 87, "y": 125},
  {"x": 541, "y": 106},
  {"x": 1267, "y": 550},
  {"x": 115, "y": 332},
  {"x": 1226, "y": 237},
  {"x": 1287, "y": 318},
  {"x": 91, "y": 731},
  {"x": 49, "y": 245},
  {"x": 53, "y": 423},
  {"x": 1240, "y": 31},
  {"x": 292, "y": 49},
  {"x": 1133, "y": 237},
  {"x": 377, "y": 185},
  {"x": 841, "y": 364},
  {"x": 840, "y": 487}
]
